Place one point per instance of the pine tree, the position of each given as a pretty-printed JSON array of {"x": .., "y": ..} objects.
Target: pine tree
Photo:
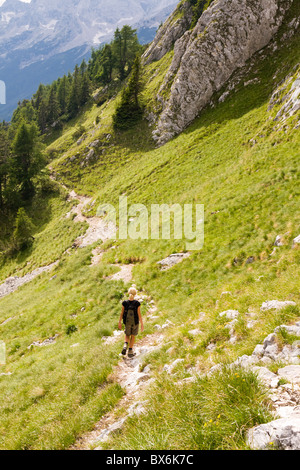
[
  {"x": 125, "y": 48},
  {"x": 39, "y": 96},
  {"x": 25, "y": 111},
  {"x": 74, "y": 97},
  {"x": 63, "y": 94},
  {"x": 53, "y": 109},
  {"x": 4, "y": 156},
  {"x": 83, "y": 67},
  {"x": 85, "y": 90},
  {"x": 27, "y": 159},
  {"x": 42, "y": 115},
  {"x": 107, "y": 64}
]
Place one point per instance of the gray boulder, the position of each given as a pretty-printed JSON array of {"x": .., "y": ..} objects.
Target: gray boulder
[
  {"x": 296, "y": 241},
  {"x": 282, "y": 433},
  {"x": 290, "y": 373},
  {"x": 276, "y": 304},
  {"x": 229, "y": 314},
  {"x": 174, "y": 27}
]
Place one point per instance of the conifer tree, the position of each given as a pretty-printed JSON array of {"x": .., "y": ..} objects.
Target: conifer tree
[
  {"x": 130, "y": 110},
  {"x": 53, "y": 109},
  {"x": 39, "y": 96},
  {"x": 62, "y": 94},
  {"x": 42, "y": 115},
  {"x": 125, "y": 48},
  {"x": 74, "y": 97},
  {"x": 4, "y": 156},
  {"x": 85, "y": 90},
  {"x": 107, "y": 64},
  {"x": 27, "y": 159}
]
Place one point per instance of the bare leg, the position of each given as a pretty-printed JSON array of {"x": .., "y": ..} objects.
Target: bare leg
[{"x": 132, "y": 341}]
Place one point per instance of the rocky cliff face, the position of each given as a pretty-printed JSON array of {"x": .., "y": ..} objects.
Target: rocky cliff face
[
  {"x": 227, "y": 34},
  {"x": 172, "y": 30}
]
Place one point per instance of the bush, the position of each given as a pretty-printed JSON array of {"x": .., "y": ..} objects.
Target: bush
[
  {"x": 79, "y": 132},
  {"x": 71, "y": 329},
  {"x": 22, "y": 235}
]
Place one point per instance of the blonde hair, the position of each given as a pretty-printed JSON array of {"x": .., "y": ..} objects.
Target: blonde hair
[{"x": 132, "y": 293}]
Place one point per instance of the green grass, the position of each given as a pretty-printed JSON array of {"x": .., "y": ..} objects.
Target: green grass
[
  {"x": 211, "y": 414},
  {"x": 55, "y": 391},
  {"x": 54, "y": 234}
]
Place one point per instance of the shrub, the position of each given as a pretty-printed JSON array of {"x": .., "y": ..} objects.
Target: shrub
[
  {"x": 22, "y": 235},
  {"x": 71, "y": 329}
]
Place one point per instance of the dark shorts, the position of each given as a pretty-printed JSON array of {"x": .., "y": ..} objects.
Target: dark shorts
[{"x": 131, "y": 329}]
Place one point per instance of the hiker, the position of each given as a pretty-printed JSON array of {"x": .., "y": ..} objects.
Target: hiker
[{"x": 131, "y": 315}]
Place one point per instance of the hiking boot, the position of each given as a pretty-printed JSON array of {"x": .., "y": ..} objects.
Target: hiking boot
[
  {"x": 124, "y": 350},
  {"x": 131, "y": 353}
]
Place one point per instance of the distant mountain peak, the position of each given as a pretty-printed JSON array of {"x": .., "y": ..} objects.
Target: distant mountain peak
[{"x": 50, "y": 37}]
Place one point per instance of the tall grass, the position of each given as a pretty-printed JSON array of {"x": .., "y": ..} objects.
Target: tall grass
[{"x": 211, "y": 414}]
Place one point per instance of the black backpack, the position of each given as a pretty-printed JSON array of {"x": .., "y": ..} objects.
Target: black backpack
[{"x": 131, "y": 305}]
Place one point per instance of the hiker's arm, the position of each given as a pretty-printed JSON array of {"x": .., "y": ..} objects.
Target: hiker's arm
[
  {"x": 121, "y": 318},
  {"x": 141, "y": 319}
]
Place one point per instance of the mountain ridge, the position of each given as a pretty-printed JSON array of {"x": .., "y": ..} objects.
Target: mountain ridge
[
  {"x": 227, "y": 30},
  {"x": 41, "y": 34}
]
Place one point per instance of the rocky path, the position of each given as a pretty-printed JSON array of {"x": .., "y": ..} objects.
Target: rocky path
[
  {"x": 134, "y": 382},
  {"x": 98, "y": 229},
  {"x": 11, "y": 284},
  {"x": 283, "y": 385}
]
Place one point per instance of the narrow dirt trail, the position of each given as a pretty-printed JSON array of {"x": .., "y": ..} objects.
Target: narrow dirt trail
[
  {"x": 127, "y": 373},
  {"x": 98, "y": 229},
  {"x": 11, "y": 284},
  {"x": 134, "y": 382}
]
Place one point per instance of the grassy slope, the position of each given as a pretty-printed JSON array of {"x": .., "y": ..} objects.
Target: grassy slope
[{"x": 56, "y": 393}]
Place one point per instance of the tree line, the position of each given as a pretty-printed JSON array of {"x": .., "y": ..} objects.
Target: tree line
[
  {"x": 21, "y": 164},
  {"x": 21, "y": 156},
  {"x": 21, "y": 141},
  {"x": 61, "y": 101}
]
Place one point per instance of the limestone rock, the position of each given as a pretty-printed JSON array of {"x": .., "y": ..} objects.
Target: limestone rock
[
  {"x": 290, "y": 329},
  {"x": 290, "y": 373},
  {"x": 229, "y": 314},
  {"x": 296, "y": 241},
  {"x": 276, "y": 304},
  {"x": 268, "y": 377},
  {"x": 169, "y": 33},
  {"x": 278, "y": 241},
  {"x": 282, "y": 433},
  {"x": 227, "y": 34},
  {"x": 290, "y": 102},
  {"x": 11, "y": 284},
  {"x": 170, "y": 367},
  {"x": 171, "y": 260}
]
